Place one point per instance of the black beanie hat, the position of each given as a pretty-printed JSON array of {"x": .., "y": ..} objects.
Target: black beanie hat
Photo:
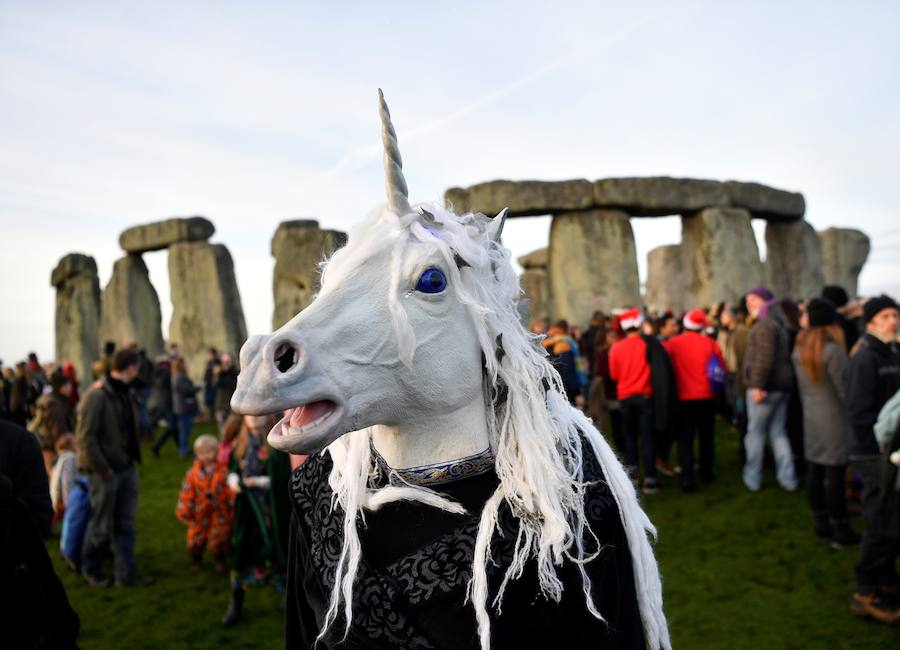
[
  {"x": 877, "y": 304},
  {"x": 821, "y": 312},
  {"x": 836, "y": 295}
]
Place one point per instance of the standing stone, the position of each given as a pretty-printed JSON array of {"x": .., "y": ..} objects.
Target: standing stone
[
  {"x": 665, "y": 279},
  {"x": 162, "y": 234},
  {"x": 844, "y": 252},
  {"x": 129, "y": 307},
  {"x": 206, "y": 305},
  {"x": 721, "y": 259},
  {"x": 592, "y": 264},
  {"x": 793, "y": 260},
  {"x": 536, "y": 284},
  {"x": 298, "y": 248},
  {"x": 77, "y": 313}
]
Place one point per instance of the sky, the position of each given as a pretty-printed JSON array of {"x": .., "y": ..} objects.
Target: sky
[{"x": 116, "y": 114}]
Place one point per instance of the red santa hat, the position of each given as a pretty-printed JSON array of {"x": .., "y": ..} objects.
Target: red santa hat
[
  {"x": 694, "y": 320},
  {"x": 631, "y": 319}
]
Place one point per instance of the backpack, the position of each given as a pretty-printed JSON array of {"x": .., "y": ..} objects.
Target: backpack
[
  {"x": 75, "y": 521},
  {"x": 716, "y": 374}
]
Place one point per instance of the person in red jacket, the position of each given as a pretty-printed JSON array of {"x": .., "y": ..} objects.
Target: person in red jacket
[
  {"x": 629, "y": 368},
  {"x": 690, "y": 353}
]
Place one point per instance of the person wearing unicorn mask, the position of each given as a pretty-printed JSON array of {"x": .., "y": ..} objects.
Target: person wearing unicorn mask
[{"x": 452, "y": 497}]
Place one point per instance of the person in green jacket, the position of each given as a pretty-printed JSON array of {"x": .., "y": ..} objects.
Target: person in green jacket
[{"x": 258, "y": 475}]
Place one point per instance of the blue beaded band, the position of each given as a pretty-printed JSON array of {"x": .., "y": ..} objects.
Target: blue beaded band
[{"x": 438, "y": 474}]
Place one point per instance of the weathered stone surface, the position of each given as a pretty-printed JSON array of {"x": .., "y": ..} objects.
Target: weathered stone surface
[
  {"x": 844, "y": 252},
  {"x": 161, "y": 234},
  {"x": 523, "y": 198},
  {"x": 765, "y": 202},
  {"x": 592, "y": 264},
  {"x": 721, "y": 258},
  {"x": 658, "y": 195},
  {"x": 298, "y": 247},
  {"x": 793, "y": 260},
  {"x": 535, "y": 259},
  {"x": 129, "y": 307},
  {"x": 643, "y": 197},
  {"x": 536, "y": 286},
  {"x": 77, "y": 312},
  {"x": 665, "y": 279},
  {"x": 206, "y": 304}
]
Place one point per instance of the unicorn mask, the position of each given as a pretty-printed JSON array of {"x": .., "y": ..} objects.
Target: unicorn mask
[
  {"x": 414, "y": 349},
  {"x": 391, "y": 338}
]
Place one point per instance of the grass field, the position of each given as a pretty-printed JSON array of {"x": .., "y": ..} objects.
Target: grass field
[{"x": 740, "y": 570}]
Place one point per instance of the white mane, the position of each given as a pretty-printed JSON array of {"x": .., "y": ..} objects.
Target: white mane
[{"x": 535, "y": 434}]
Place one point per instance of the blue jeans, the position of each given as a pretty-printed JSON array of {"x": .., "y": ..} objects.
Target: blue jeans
[
  {"x": 768, "y": 419},
  {"x": 113, "y": 515},
  {"x": 185, "y": 424}
]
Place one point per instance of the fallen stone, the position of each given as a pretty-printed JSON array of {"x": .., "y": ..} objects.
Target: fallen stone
[
  {"x": 844, "y": 252},
  {"x": 162, "y": 234},
  {"x": 77, "y": 313},
  {"x": 298, "y": 248},
  {"x": 721, "y": 258},
  {"x": 793, "y": 260},
  {"x": 523, "y": 198},
  {"x": 665, "y": 279},
  {"x": 535, "y": 259},
  {"x": 206, "y": 304},
  {"x": 592, "y": 264},
  {"x": 129, "y": 307}
]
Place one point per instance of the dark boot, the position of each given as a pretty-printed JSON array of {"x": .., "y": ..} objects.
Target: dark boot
[
  {"x": 842, "y": 536},
  {"x": 821, "y": 525},
  {"x": 235, "y": 607}
]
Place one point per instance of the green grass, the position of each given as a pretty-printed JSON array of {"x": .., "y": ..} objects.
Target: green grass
[{"x": 739, "y": 570}]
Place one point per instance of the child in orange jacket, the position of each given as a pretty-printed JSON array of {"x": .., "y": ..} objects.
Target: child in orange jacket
[{"x": 206, "y": 504}]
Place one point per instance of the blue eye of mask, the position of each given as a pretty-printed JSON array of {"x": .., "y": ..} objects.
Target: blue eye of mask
[{"x": 432, "y": 281}]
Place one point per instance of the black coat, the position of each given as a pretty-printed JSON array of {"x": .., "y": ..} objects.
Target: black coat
[
  {"x": 873, "y": 376},
  {"x": 416, "y": 563},
  {"x": 35, "y": 610},
  {"x": 665, "y": 390},
  {"x": 226, "y": 383}
]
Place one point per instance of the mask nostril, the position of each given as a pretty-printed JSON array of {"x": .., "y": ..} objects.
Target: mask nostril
[{"x": 285, "y": 357}]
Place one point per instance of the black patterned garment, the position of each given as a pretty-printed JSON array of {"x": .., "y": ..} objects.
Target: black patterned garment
[{"x": 417, "y": 561}]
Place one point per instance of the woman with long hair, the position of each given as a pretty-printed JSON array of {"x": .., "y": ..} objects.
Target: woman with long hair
[
  {"x": 820, "y": 359},
  {"x": 259, "y": 476}
]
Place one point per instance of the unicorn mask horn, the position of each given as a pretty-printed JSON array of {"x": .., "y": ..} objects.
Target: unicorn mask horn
[{"x": 397, "y": 192}]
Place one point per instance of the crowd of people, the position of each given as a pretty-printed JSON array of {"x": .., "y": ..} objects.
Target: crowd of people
[
  {"x": 88, "y": 440},
  {"x": 818, "y": 380}
]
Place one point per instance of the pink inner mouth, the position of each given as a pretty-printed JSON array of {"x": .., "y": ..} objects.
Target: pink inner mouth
[{"x": 303, "y": 416}]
